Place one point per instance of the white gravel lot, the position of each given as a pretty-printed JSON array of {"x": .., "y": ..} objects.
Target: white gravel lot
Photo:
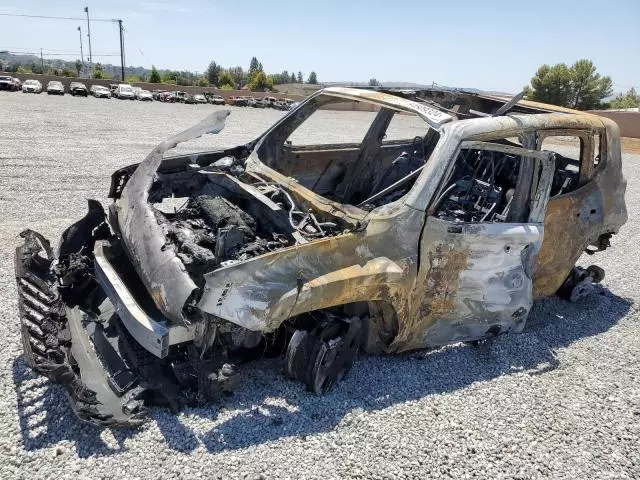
[{"x": 560, "y": 400}]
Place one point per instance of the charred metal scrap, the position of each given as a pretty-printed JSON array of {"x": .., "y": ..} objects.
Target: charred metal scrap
[{"x": 313, "y": 252}]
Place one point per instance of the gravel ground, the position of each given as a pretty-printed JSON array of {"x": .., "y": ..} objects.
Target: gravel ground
[{"x": 560, "y": 400}]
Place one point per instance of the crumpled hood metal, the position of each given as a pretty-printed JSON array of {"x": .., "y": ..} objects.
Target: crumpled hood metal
[{"x": 161, "y": 271}]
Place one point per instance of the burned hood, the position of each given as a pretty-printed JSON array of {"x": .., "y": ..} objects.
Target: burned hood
[{"x": 161, "y": 271}]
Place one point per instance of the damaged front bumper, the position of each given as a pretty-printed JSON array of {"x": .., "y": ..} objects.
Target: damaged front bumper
[
  {"x": 82, "y": 328},
  {"x": 56, "y": 343}
]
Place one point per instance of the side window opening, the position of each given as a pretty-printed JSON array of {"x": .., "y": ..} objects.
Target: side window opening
[
  {"x": 569, "y": 151},
  {"x": 481, "y": 187},
  {"x": 495, "y": 182},
  {"x": 578, "y": 154}
]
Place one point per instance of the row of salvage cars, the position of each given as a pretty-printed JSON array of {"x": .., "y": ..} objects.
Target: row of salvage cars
[
  {"x": 264, "y": 102},
  {"x": 316, "y": 252}
]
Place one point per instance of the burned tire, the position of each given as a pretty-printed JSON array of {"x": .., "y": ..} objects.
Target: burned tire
[{"x": 322, "y": 357}]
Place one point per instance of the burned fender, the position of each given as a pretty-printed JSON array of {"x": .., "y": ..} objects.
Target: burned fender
[
  {"x": 161, "y": 271},
  {"x": 261, "y": 293}
]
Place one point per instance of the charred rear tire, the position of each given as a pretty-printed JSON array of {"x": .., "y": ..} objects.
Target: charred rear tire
[
  {"x": 322, "y": 357},
  {"x": 580, "y": 283}
]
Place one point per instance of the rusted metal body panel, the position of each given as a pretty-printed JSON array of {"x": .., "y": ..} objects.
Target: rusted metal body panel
[
  {"x": 144, "y": 238},
  {"x": 575, "y": 220},
  {"x": 378, "y": 263},
  {"x": 472, "y": 283}
]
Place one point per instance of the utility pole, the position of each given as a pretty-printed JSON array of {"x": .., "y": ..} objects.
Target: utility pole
[
  {"x": 41, "y": 61},
  {"x": 81, "y": 52},
  {"x": 121, "y": 49},
  {"x": 86, "y": 9}
]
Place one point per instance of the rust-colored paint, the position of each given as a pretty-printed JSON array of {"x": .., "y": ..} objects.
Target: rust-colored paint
[
  {"x": 440, "y": 281},
  {"x": 567, "y": 226}
]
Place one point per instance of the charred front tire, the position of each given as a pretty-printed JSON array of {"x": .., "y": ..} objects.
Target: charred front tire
[{"x": 323, "y": 356}]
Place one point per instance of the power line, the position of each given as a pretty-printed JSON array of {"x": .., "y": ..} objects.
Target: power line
[
  {"x": 19, "y": 50},
  {"x": 57, "y": 18},
  {"x": 48, "y": 54},
  {"x": 110, "y": 20}
]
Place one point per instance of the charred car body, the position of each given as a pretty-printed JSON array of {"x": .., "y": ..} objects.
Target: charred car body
[{"x": 315, "y": 251}]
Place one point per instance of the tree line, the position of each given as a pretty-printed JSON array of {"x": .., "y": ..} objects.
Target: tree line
[{"x": 255, "y": 78}]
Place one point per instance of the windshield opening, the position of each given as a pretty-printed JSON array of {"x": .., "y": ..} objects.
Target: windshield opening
[{"x": 351, "y": 152}]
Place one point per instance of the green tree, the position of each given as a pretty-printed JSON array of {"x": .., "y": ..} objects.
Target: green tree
[
  {"x": 299, "y": 78},
  {"x": 227, "y": 80},
  {"x": 213, "y": 72},
  {"x": 552, "y": 85},
  {"x": 22, "y": 69},
  {"x": 98, "y": 71},
  {"x": 239, "y": 76},
  {"x": 254, "y": 66},
  {"x": 373, "y": 82},
  {"x": 78, "y": 66},
  {"x": 154, "y": 76},
  {"x": 277, "y": 78},
  {"x": 589, "y": 88},
  {"x": 293, "y": 77},
  {"x": 133, "y": 79},
  {"x": 313, "y": 78},
  {"x": 260, "y": 82},
  {"x": 630, "y": 99},
  {"x": 67, "y": 72},
  {"x": 202, "y": 82},
  {"x": 578, "y": 86},
  {"x": 284, "y": 76}
]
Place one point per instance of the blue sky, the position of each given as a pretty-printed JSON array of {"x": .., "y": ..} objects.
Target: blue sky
[{"x": 494, "y": 45}]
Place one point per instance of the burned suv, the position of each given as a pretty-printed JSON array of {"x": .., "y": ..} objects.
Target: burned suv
[{"x": 441, "y": 223}]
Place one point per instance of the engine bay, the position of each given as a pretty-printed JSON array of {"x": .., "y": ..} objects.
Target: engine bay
[{"x": 230, "y": 216}]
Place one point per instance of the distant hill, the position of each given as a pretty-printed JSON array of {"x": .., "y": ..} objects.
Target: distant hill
[{"x": 9, "y": 61}]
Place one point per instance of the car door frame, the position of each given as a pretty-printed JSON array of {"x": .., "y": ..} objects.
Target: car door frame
[{"x": 474, "y": 279}]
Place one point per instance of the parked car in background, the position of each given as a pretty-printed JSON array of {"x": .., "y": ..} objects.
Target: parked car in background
[
  {"x": 269, "y": 101},
  {"x": 100, "y": 91},
  {"x": 197, "y": 98},
  {"x": 256, "y": 103},
  {"x": 157, "y": 94},
  {"x": 281, "y": 105},
  {"x": 166, "y": 97},
  {"x": 77, "y": 88},
  {"x": 239, "y": 101},
  {"x": 31, "y": 86},
  {"x": 18, "y": 83},
  {"x": 144, "y": 95},
  {"x": 181, "y": 96},
  {"x": 112, "y": 88},
  {"x": 136, "y": 90},
  {"x": 216, "y": 100},
  {"x": 54, "y": 87},
  {"x": 125, "y": 92},
  {"x": 6, "y": 83}
]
